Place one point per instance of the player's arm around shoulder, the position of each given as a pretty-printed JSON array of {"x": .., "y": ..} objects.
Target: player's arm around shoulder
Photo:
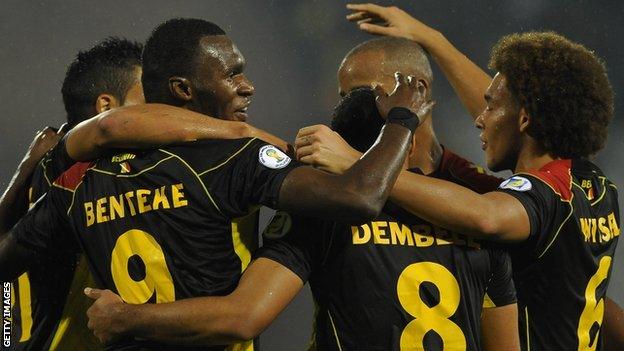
[
  {"x": 359, "y": 193},
  {"x": 265, "y": 289},
  {"x": 153, "y": 125}
]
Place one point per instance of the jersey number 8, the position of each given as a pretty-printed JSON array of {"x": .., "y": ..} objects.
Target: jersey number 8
[{"x": 434, "y": 318}]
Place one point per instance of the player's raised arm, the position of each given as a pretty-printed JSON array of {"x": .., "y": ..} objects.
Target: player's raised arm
[
  {"x": 264, "y": 290},
  {"x": 14, "y": 200},
  {"x": 360, "y": 192},
  {"x": 153, "y": 125},
  {"x": 468, "y": 80}
]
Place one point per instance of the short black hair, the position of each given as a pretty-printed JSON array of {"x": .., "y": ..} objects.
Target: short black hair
[
  {"x": 108, "y": 67},
  {"x": 564, "y": 88},
  {"x": 170, "y": 51},
  {"x": 357, "y": 119}
]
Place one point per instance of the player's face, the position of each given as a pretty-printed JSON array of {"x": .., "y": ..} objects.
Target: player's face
[
  {"x": 364, "y": 70},
  {"x": 135, "y": 96},
  {"x": 499, "y": 124},
  {"x": 221, "y": 88}
]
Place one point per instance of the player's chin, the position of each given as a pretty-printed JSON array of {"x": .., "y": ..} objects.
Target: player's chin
[{"x": 240, "y": 116}]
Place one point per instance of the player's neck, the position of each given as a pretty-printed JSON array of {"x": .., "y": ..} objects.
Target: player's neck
[
  {"x": 532, "y": 157},
  {"x": 427, "y": 151}
]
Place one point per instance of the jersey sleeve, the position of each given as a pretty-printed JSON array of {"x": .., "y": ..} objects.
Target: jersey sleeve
[
  {"x": 547, "y": 204},
  {"x": 500, "y": 290},
  {"x": 458, "y": 170},
  {"x": 56, "y": 161},
  {"x": 45, "y": 228},
  {"x": 294, "y": 242},
  {"x": 252, "y": 177}
]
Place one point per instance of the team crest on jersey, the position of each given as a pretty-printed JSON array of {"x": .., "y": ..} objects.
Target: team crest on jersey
[
  {"x": 280, "y": 225},
  {"x": 516, "y": 183},
  {"x": 125, "y": 167},
  {"x": 272, "y": 157}
]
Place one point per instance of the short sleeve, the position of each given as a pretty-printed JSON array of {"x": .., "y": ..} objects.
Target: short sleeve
[
  {"x": 546, "y": 207},
  {"x": 252, "y": 177},
  {"x": 45, "y": 227},
  {"x": 500, "y": 290},
  {"x": 294, "y": 242},
  {"x": 56, "y": 161}
]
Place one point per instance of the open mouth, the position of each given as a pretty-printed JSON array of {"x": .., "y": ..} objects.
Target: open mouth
[{"x": 241, "y": 114}]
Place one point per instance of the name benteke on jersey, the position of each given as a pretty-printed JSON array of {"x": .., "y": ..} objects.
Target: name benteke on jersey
[
  {"x": 138, "y": 201},
  {"x": 419, "y": 235}
]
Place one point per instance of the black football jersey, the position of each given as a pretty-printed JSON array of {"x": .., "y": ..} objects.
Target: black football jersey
[
  {"x": 167, "y": 224},
  {"x": 562, "y": 271},
  {"x": 48, "y": 306},
  {"x": 398, "y": 282}
]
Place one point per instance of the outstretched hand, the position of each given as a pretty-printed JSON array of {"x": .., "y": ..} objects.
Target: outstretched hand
[
  {"x": 320, "y": 146},
  {"x": 105, "y": 315},
  {"x": 389, "y": 21},
  {"x": 408, "y": 93}
]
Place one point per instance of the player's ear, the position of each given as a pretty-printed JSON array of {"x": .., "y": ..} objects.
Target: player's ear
[
  {"x": 524, "y": 119},
  {"x": 105, "y": 102},
  {"x": 180, "y": 89}
]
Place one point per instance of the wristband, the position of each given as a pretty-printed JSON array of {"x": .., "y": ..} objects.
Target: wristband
[{"x": 404, "y": 117}]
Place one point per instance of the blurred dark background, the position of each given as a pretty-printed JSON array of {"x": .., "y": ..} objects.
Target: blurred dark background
[{"x": 293, "y": 49}]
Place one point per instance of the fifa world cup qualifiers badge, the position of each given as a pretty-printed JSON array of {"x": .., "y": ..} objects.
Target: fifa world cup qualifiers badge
[
  {"x": 6, "y": 314},
  {"x": 272, "y": 157},
  {"x": 516, "y": 183}
]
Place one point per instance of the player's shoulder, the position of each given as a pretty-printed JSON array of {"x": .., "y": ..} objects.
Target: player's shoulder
[
  {"x": 553, "y": 178},
  {"x": 206, "y": 154},
  {"x": 459, "y": 170},
  {"x": 71, "y": 178}
]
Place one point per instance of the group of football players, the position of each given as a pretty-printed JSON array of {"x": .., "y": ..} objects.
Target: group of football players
[{"x": 138, "y": 219}]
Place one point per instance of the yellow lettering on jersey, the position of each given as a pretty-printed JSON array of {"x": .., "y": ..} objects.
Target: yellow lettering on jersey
[
  {"x": 141, "y": 195},
  {"x": 90, "y": 216},
  {"x": 364, "y": 238},
  {"x": 422, "y": 235},
  {"x": 129, "y": 195},
  {"x": 401, "y": 235},
  {"x": 379, "y": 233},
  {"x": 606, "y": 226},
  {"x": 160, "y": 199},
  {"x": 613, "y": 226},
  {"x": 122, "y": 157},
  {"x": 178, "y": 195},
  {"x": 116, "y": 207},
  {"x": 109, "y": 208},
  {"x": 100, "y": 210}
]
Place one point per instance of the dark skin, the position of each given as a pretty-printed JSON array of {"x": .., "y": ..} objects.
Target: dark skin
[{"x": 355, "y": 196}]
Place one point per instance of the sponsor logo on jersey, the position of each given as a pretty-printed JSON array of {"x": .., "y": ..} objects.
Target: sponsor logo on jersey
[
  {"x": 122, "y": 157},
  {"x": 516, "y": 183},
  {"x": 272, "y": 157},
  {"x": 280, "y": 225}
]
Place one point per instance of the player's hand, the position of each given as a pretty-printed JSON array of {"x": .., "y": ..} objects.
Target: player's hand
[
  {"x": 320, "y": 146},
  {"x": 106, "y": 315},
  {"x": 409, "y": 93},
  {"x": 44, "y": 140},
  {"x": 390, "y": 21}
]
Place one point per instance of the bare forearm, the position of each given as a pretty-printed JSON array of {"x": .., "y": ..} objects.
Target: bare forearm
[
  {"x": 357, "y": 194},
  {"x": 153, "y": 125},
  {"x": 204, "y": 321},
  {"x": 495, "y": 215},
  {"x": 468, "y": 80},
  {"x": 14, "y": 201}
]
